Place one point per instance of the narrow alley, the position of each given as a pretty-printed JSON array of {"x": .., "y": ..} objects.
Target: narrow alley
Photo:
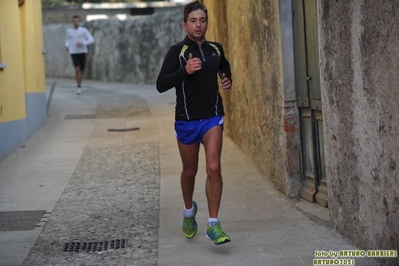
[{"x": 105, "y": 167}]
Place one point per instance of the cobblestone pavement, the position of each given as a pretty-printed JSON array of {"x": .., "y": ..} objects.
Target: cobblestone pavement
[{"x": 113, "y": 194}]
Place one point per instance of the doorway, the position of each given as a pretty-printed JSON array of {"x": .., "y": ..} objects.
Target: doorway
[{"x": 308, "y": 96}]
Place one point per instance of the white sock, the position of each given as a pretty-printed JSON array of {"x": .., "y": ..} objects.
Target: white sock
[
  {"x": 188, "y": 213},
  {"x": 213, "y": 221}
]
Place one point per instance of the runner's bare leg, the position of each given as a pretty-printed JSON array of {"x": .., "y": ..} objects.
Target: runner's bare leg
[
  {"x": 189, "y": 157},
  {"x": 213, "y": 140}
]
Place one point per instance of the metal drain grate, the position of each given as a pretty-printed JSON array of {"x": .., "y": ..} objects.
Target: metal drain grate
[
  {"x": 21, "y": 220},
  {"x": 124, "y": 129},
  {"x": 77, "y": 246},
  {"x": 87, "y": 116}
]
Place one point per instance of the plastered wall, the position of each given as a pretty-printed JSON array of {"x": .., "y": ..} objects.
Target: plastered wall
[
  {"x": 22, "y": 79},
  {"x": 249, "y": 32},
  {"x": 12, "y": 85}
]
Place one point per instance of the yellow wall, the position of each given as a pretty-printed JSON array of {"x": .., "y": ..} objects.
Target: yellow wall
[
  {"x": 249, "y": 34},
  {"x": 21, "y": 46},
  {"x": 32, "y": 37},
  {"x": 12, "y": 89}
]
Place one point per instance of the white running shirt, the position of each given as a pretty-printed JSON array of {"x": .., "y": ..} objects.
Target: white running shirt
[{"x": 73, "y": 36}]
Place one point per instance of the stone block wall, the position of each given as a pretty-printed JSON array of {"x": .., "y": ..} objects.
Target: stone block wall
[
  {"x": 58, "y": 63},
  {"x": 360, "y": 75},
  {"x": 125, "y": 51},
  {"x": 63, "y": 14}
]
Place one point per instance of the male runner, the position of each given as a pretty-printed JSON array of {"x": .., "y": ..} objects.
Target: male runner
[
  {"x": 77, "y": 40},
  {"x": 192, "y": 67}
]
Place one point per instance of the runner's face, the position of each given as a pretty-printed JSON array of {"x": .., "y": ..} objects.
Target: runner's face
[
  {"x": 76, "y": 22},
  {"x": 196, "y": 25}
]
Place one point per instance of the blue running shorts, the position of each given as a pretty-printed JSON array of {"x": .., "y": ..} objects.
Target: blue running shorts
[{"x": 190, "y": 132}]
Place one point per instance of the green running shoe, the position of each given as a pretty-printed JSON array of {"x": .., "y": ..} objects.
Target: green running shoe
[
  {"x": 190, "y": 227},
  {"x": 217, "y": 234}
]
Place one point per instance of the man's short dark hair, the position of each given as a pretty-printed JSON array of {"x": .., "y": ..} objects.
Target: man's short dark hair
[
  {"x": 76, "y": 16},
  {"x": 192, "y": 6}
]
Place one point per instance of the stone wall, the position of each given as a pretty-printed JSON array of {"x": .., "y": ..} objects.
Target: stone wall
[
  {"x": 125, "y": 51},
  {"x": 360, "y": 76},
  {"x": 57, "y": 15},
  {"x": 63, "y": 14},
  {"x": 57, "y": 61}
]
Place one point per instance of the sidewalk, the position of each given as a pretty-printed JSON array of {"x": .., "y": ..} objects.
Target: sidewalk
[{"x": 100, "y": 185}]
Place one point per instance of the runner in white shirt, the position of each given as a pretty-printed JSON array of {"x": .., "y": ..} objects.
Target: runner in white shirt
[{"x": 76, "y": 42}]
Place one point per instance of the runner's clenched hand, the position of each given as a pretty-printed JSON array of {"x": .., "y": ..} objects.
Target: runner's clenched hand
[
  {"x": 193, "y": 64},
  {"x": 226, "y": 83}
]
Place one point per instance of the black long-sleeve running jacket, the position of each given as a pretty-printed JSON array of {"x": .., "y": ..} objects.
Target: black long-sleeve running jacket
[{"x": 197, "y": 95}]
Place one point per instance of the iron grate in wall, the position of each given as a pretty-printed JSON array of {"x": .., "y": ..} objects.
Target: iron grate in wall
[
  {"x": 124, "y": 129},
  {"x": 21, "y": 220},
  {"x": 80, "y": 116},
  {"x": 77, "y": 246}
]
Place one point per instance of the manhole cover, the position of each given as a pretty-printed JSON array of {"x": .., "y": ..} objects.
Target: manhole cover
[
  {"x": 84, "y": 116},
  {"x": 77, "y": 246},
  {"x": 20, "y": 220},
  {"x": 123, "y": 129}
]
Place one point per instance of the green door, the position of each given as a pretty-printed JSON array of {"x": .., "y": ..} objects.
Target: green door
[{"x": 307, "y": 78}]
